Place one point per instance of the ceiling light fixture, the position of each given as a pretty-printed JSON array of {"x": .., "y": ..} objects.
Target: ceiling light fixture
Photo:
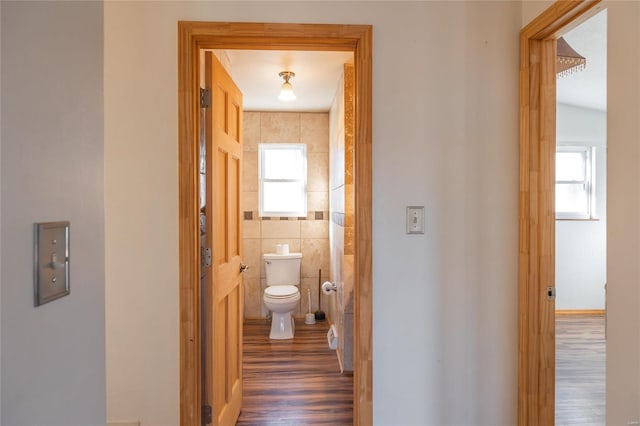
[
  {"x": 568, "y": 61},
  {"x": 286, "y": 92}
]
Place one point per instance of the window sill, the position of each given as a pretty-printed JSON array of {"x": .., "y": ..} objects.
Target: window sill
[{"x": 566, "y": 219}]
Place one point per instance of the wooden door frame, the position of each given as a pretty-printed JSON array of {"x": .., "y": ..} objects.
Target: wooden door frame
[
  {"x": 193, "y": 36},
  {"x": 536, "y": 349}
]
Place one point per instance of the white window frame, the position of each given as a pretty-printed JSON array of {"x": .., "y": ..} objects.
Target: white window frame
[
  {"x": 589, "y": 181},
  {"x": 262, "y": 149}
]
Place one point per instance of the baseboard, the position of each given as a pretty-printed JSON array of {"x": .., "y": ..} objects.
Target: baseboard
[
  {"x": 127, "y": 423},
  {"x": 590, "y": 312},
  {"x": 254, "y": 318},
  {"x": 339, "y": 356}
]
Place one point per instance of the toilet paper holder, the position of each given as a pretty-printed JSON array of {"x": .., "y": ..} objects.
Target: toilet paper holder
[{"x": 328, "y": 287}]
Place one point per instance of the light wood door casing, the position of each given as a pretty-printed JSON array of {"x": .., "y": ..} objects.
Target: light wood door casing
[
  {"x": 193, "y": 36},
  {"x": 223, "y": 308},
  {"x": 538, "y": 238}
]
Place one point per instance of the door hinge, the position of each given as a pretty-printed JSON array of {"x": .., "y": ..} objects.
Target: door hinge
[
  {"x": 206, "y": 415},
  {"x": 205, "y": 256},
  {"x": 205, "y": 98},
  {"x": 551, "y": 293}
]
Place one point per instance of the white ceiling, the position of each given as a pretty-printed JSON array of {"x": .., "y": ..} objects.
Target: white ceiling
[
  {"x": 315, "y": 84},
  {"x": 587, "y": 88}
]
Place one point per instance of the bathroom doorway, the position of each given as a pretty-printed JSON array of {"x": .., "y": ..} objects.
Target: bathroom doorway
[{"x": 195, "y": 36}]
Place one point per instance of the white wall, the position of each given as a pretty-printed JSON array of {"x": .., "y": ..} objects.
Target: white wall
[
  {"x": 623, "y": 211},
  {"x": 0, "y": 217},
  {"x": 53, "y": 367},
  {"x": 445, "y": 303},
  {"x": 581, "y": 258}
]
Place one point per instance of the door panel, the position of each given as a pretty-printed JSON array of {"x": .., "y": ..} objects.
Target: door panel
[{"x": 224, "y": 127}]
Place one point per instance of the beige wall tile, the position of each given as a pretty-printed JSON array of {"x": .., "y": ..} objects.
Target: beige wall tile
[
  {"x": 250, "y": 171},
  {"x": 251, "y": 130},
  {"x": 349, "y": 240},
  {"x": 317, "y": 201},
  {"x": 250, "y": 201},
  {"x": 252, "y": 256},
  {"x": 349, "y": 122},
  {"x": 250, "y": 229},
  {"x": 315, "y": 255},
  {"x": 349, "y": 198},
  {"x": 269, "y": 245},
  {"x": 279, "y": 127},
  {"x": 330, "y": 307},
  {"x": 280, "y": 229},
  {"x": 348, "y": 165},
  {"x": 252, "y": 297},
  {"x": 347, "y": 284},
  {"x": 317, "y": 171},
  {"x": 314, "y": 229},
  {"x": 314, "y": 131}
]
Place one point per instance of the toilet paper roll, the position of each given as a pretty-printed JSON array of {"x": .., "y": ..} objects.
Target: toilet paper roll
[
  {"x": 328, "y": 288},
  {"x": 282, "y": 248}
]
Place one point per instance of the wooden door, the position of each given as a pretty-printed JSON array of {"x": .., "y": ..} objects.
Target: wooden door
[{"x": 223, "y": 310}]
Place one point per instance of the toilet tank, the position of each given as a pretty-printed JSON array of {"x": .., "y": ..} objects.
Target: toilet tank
[{"x": 282, "y": 269}]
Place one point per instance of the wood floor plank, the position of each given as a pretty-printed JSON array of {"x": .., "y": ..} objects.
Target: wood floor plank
[
  {"x": 293, "y": 382},
  {"x": 580, "y": 370}
]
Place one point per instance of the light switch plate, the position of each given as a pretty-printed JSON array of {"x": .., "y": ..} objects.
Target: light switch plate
[
  {"x": 415, "y": 220},
  {"x": 51, "y": 262}
]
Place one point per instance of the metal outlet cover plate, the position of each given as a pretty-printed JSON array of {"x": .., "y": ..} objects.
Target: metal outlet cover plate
[{"x": 51, "y": 262}]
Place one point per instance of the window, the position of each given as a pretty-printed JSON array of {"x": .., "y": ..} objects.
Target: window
[
  {"x": 282, "y": 174},
  {"x": 575, "y": 197}
]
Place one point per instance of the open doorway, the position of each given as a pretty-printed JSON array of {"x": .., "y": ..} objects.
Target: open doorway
[
  {"x": 194, "y": 36},
  {"x": 297, "y": 160},
  {"x": 537, "y": 214},
  {"x": 581, "y": 224}
]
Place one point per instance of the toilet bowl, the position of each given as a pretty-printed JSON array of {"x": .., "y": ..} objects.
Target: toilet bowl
[
  {"x": 281, "y": 296},
  {"x": 281, "y": 300}
]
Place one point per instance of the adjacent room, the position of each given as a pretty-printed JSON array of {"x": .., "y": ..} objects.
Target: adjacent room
[{"x": 581, "y": 223}]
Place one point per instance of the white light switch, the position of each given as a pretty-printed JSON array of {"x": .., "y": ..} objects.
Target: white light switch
[{"x": 415, "y": 220}]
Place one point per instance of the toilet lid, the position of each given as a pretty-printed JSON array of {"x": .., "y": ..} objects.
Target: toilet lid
[{"x": 281, "y": 291}]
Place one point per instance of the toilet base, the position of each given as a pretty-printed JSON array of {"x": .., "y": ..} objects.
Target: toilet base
[{"x": 282, "y": 326}]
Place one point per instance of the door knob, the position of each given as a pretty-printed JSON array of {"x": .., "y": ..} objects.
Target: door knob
[{"x": 243, "y": 267}]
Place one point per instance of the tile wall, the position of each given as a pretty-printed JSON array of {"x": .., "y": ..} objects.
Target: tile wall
[
  {"x": 309, "y": 235},
  {"x": 341, "y": 228}
]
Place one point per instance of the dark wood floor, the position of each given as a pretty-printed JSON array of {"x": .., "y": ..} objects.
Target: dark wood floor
[
  {"x": 293, "y": 382},
  {"x": 580, "y": 370},
  {"x": 298, "y": 382}
]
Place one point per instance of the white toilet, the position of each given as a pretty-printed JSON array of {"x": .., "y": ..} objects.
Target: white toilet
[{"x": 281, "y": 296}]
